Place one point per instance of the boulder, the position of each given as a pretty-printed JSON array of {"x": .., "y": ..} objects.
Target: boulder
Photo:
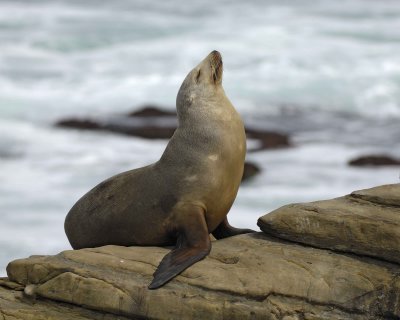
[
  {"x": 366, "y": 222},
  {"x": 375, "y": 160},
  {"x": 252, "y": 276}
]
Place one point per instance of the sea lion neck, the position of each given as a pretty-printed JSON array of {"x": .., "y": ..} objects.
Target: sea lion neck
[{"x": 204, "y": 108}]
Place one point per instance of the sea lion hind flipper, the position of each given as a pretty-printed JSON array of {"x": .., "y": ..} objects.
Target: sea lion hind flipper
[
  {"x": 193, "y": 245},
  {"x": 225, "y": 230},
  {"x": 174, "y": 263}
]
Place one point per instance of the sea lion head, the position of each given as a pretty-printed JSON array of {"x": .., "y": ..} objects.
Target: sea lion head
[{"x": 202, "y": 82}]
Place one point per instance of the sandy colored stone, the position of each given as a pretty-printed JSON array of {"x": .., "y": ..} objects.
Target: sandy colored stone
[
  {"x": 388, "y": 195},
  {"x": 15, "y": 306},
  {"x": 245, "y": 277},
  {"x": 367, "y": 222}
]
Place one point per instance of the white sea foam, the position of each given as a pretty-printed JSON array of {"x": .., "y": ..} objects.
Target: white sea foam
[{"x": 327, "y": 55}]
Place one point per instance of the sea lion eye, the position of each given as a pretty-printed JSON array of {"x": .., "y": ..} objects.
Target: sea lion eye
[{"x": 198, "y": 76}]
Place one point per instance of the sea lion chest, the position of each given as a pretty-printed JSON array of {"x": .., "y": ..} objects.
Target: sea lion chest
[{"x": 210, "y": 158}]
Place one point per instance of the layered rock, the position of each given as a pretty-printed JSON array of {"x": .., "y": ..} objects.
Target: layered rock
[
  {"x": 366, "y": 222},
  {"x": 249, "y": 276},
  {"x": 15, "y": 305},
  {"x": 253, "y": 276}
]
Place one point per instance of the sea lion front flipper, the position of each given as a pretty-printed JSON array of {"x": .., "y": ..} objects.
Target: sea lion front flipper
[
  {"x": 225, "y": 230},
  {"x": 193, "y": 245}
]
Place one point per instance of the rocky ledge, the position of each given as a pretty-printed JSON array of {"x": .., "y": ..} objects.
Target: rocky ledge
[{"x": 333, "y": 259}]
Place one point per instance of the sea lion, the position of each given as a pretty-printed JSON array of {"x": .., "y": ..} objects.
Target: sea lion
[{"x": 183, "y": 197}]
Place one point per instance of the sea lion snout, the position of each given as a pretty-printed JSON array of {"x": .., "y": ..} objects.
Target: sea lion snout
[
  {"x": 216, "y": 55},
  {"x": 216, "y": 66}
]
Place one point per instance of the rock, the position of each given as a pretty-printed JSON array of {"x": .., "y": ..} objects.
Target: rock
[
  {"x": 5, "y": 282},
  {"x": 250, "y": 170},
  {"x": 375, "y": 160},
  {"x": 387, "y": 195},
  {"x": 366, "y": 222},
  {"x": 15, "y": 306},
  {"x": 148, "y": 131},
  {"x": 268, "y": 139},
  {"x": 251, "y": 276},
  {"x": 82, "y": 124},
  {"x": 151, "y": 111},
  {"x": 152, "y": 122},
  {"x": 149, "y": 128}
]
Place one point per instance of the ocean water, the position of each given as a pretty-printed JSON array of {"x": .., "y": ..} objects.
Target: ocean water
[{"x": 326, "y": 72}]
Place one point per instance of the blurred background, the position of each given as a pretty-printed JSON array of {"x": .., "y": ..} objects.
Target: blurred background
[{"x": 325, "y": 74}]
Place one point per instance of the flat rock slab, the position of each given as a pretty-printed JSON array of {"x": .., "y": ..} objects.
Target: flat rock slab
[
  {"x": 366, "y": 222},
  {"x": 251, "y": 276},
  {"x": 387, "y": 195},
  {"x": 15, "y": 306}
]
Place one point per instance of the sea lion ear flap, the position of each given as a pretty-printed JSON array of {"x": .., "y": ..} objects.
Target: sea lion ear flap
[{"x": 193, "y": 245}]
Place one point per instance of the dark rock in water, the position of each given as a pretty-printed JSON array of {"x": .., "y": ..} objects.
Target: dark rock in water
[
  {"x": 250, "y": 170},
  {"x": 148, "y": 122},
  {"x": 153, "y": 123},
  {"x": 151, "y": 111},
  {"x": 146, "y": 129},
  {"x": 268, "y": 139},
  {"x": 83, "y": 124},
  {"x": 375, "y": 160}
]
